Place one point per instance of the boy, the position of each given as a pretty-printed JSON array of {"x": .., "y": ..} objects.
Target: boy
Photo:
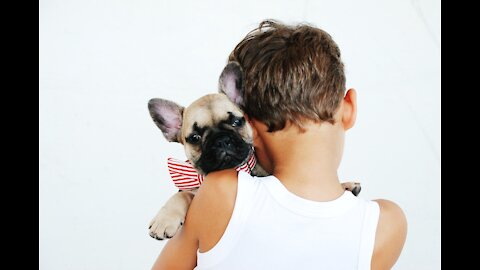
[{"x": 300, "y": 217}]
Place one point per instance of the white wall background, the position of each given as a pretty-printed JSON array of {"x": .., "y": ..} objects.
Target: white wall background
[{"x": 102, "y": 160}]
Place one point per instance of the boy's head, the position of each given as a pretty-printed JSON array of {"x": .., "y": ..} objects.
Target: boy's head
[{"x": 291, "y": 73}]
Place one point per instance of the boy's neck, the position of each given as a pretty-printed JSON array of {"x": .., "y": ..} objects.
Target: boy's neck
[{"x": 307, "y": 162}]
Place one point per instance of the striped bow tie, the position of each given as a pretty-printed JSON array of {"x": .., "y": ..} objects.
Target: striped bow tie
[{"x": 185, "y": 177}]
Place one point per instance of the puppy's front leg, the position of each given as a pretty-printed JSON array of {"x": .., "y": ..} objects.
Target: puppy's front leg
[
  {"x": 172, "y": 215},
  {"x": 354, "y": 187}
]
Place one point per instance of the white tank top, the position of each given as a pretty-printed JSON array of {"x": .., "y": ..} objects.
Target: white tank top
[{"x": 272, "y": 228}]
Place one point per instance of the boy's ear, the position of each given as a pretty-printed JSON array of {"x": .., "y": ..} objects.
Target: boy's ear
[
  {"x": 168, "y": 116},
  {"x": 349, "y": 110},
  {"x": 231, "y": 83}
]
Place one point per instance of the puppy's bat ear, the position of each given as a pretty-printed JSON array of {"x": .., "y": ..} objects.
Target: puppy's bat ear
[
  {"x": 168, "y": 116},
  {"x": 231, "y": 83}
]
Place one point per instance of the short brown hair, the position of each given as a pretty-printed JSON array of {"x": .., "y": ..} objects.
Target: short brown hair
[{"x": 291, "y": 73}]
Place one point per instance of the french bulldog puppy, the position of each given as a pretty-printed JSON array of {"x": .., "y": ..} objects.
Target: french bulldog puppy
[{"x": 215, "y": 135}]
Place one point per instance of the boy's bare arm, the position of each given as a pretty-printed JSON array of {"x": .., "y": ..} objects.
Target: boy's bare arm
[
  {"x": 390, "y": 236},
  {"x": 205, "y": 223},
  {"x": 180, "y": 252}
]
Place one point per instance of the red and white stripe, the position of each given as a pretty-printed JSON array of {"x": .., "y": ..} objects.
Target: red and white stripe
[
  {"x": 185, "y": 177},
  {"x": 252, "y": 161},
  {"x": 183, "y": 174}
]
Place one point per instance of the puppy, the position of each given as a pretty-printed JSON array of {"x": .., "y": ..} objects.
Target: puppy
[{"x": 215, "y": 135}]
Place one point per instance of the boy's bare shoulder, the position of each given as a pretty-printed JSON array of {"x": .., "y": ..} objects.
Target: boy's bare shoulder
[
  {"x": 224, "y": 181},
  {"x": 390, "y": 236},
  {"x": 217, "y": 192},
  {"x": 218, "y": 188},
  {"x": 212, "y": 207}
]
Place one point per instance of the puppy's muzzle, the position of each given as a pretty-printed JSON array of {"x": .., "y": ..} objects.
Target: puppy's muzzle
[
  {"x": 224, "y": 147},
  {"x": 223, "y": 150}
]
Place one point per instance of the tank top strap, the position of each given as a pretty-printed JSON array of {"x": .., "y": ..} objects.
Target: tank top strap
[
  {"x": 369, "y": 229},
  {"x": 246, "y": 189}
]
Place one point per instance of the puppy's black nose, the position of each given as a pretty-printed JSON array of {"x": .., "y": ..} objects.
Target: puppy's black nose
[{"x": 223, "y": 142}]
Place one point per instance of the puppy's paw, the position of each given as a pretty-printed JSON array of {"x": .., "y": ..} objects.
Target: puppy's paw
[
  {"x": 165, "y": 224},
  {"x": 353, "y": 187}
]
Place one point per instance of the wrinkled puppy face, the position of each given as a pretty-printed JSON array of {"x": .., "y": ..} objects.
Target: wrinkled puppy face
[
  {"x": 215, "y": 134},
  {"x": 212, "y": 129}
]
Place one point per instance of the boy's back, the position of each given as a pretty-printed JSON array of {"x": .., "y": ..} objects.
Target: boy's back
[{"x": 338, "y": 234}]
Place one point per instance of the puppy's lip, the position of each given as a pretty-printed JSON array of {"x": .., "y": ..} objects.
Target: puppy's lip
[
  {"x": 223, "y": 154},
  {"x": 227, "y": 155}
]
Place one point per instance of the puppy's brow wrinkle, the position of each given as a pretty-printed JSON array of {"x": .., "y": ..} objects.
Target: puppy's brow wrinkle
[{"x": 198, "y": 129}]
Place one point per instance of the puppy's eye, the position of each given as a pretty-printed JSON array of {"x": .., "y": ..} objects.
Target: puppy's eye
[
  {"x": 237, "y": 122},
  {"x": 194, "y": 138}
]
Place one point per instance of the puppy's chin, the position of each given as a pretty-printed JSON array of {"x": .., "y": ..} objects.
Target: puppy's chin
[{"x": 219, "y": 154}]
